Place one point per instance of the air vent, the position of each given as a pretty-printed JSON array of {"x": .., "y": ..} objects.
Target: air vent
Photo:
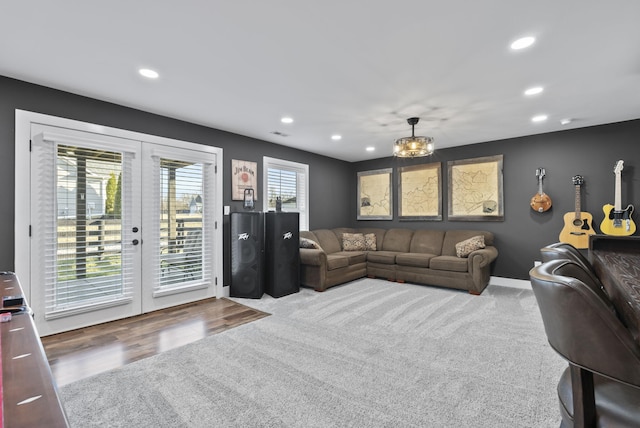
[{"x": 280, "y": 134}]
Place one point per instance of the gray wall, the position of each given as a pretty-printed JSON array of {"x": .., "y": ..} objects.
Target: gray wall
[
  {"x": 327, "y": 176},
  {"x": 590, "y": 152}
]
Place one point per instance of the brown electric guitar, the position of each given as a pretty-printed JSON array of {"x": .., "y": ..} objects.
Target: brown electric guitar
[
  {"x": 578, "y": 225},
  {"x": 540, "y": 202}
]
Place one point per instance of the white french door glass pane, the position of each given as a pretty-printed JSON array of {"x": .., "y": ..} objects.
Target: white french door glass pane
[
  {"x": 181, "y": 222},
  {"x": 179, "y": 217},
  {"x": 87, "y": 268}
]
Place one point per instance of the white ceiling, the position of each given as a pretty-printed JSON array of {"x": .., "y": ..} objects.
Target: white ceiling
[{"x": 355, "y": 68}]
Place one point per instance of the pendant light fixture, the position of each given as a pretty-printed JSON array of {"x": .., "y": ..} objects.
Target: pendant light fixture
[{"x": 412, "y": 147}]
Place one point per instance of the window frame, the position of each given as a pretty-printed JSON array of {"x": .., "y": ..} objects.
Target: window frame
[{"x": 302, "y": 186}]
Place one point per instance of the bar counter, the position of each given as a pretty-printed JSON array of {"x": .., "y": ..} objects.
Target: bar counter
[
  {"x": 616, "y": 261},
  {"x": 29, "y": 394}
]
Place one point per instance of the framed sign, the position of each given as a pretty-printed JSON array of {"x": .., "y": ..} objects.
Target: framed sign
[
  {"x": 375, "y": 201},
  {"x": 419, "y": 192},
  {"x": 244, "y": 175},
  {"x": 475, "y": 189}
]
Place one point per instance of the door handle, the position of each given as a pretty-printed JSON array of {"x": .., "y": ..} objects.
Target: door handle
[{"x": 135, "y": 242}]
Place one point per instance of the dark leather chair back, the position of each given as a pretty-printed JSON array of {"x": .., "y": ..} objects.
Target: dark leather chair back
[
  {"x": 564, "y": 251},
  {"x": 581, "y": 323}
]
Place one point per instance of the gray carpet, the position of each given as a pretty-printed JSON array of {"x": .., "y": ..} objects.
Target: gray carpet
[{"x": 367, "y": 354}]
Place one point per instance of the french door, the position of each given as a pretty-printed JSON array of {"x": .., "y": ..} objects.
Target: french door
[
  {"x": 178, "y": 207},
  {"x": 119, "y": 227}
]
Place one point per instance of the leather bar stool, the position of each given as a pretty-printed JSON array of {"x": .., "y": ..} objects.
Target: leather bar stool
[{"x": 601, "y": 386}]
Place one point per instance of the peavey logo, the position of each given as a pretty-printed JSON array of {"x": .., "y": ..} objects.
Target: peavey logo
[
  {"x": 287, "y": 235},
  {"x": 243, "y": 237}
]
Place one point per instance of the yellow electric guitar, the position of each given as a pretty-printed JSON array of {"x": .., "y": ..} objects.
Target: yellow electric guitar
[
  {"x": 617, "y": 221},
  {"x": 578, "y": 225}
]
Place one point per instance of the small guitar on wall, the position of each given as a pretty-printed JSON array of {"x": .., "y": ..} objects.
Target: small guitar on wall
[
  {"x": 578, "y": 225},
  {"x": 617, "y": 221},
  {"x": 540, "y": 202}
]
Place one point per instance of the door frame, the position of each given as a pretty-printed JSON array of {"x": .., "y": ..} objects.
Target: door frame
[{"x": 22, "y": 242}]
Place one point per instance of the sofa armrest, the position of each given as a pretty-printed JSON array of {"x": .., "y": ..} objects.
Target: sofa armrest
[
  {"x": 313, "y": 257},
  {"x": 483, "y": 257},
  {"x": 478, "y": 266}
]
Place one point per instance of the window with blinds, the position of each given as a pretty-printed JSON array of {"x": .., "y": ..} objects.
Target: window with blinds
[
  {"x": 181, "y": 222},
  {"x": 178, "y": 203},
  {"x": 83, "y": 214},
  {"x": 288, "y": 181}
]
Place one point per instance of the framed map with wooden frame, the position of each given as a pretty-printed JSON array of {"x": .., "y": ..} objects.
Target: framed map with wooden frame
[
  {"x": 375, "y": 194},
  {"x": 475, "y": 189},
  {"x": 419, "y": 192},
  {"x": 244, "y": 175}
]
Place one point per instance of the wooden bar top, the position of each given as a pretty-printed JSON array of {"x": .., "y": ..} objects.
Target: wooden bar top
[
  {"x": 29, "y": 395},
  {"x": 616, "y": 261}
]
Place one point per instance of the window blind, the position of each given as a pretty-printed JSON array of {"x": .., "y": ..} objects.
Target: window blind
[
  {"x": 82, "y": 222},
  {"x": 182, "y": 222},
  {"x": 288, "y": 181}
]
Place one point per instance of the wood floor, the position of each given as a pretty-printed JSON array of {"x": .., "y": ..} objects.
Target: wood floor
[{"x": 78, "y": 354}]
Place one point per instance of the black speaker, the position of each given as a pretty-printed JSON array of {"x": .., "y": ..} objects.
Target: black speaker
[
  {"x": 247, "y": 257},
  {"x": 282, "y": 253}
]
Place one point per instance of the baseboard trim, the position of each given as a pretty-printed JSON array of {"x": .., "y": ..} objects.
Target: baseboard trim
[{"x": 510, "y": 282}]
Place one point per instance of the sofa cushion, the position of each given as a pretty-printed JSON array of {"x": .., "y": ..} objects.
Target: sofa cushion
[
  {"x": 328, "y": 240},
  {"x": 370, "y": 242},
  {"x": 309, "y": 243},
  {"x": 376, "y": 231},
  {"x": 353, "y": 242},
  {"x": 450, "y": 263},
  {"x": 452, "y": 237},
  {"x": 335, "y": 261},
  {"x": 354, "y": 257},
  {"x": 385, "y": 257},
  {"x": 427, "y": 241},
  {"x": 339, "y": 231},
  {"x": 414, "y": 259},
  {"x": 466, "y": 247},
  {"x": 398, "y": 240}
]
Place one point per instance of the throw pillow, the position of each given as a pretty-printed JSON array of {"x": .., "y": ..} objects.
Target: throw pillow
[
  {"x": 464, "y": 248},
  {"x": 370, "y": 243},
  {"x": 353, "y": 242},
  {"x": 309, "y": 243}
]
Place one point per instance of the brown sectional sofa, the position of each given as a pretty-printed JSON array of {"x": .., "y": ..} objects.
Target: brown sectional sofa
[{"x": 417, "y": 256}]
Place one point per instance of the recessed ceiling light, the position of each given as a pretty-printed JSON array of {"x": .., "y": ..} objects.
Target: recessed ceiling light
[
  {"x": 523, "y": 42},
  {"x": 148, "y": 73},
  {"x": 336, "y": 137},
  {"x": 539, "y": 118},
  {"x": 534, "y": 91},
  {"x": 371, "y": 149},
  {"x": 566, "y": 121},
  {"x": 286, "y": 119}
]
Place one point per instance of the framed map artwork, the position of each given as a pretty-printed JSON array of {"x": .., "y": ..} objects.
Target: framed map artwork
[
  {"x": 243, "y": 176},
  {"x": 475, "y": 189},
  {"x": 375, "y": 196},
  {"x": 419, "y": 191}
]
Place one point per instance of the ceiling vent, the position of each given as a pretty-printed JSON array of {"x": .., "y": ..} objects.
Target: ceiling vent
[{"x": 279, "y": 134}]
